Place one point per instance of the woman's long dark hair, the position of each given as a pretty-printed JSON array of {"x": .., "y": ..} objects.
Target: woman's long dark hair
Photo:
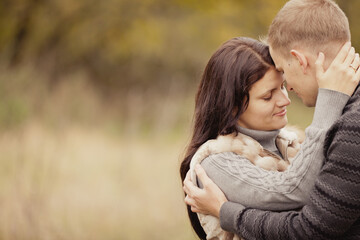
[{"x": 223, "y": 95}]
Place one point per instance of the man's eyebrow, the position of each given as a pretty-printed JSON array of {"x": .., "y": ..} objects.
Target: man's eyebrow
[{"x": 279, "y": 69}]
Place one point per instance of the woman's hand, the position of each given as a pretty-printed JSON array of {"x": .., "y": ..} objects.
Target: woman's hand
[
  {"x": 342, "y": 74},
  {"x": 207, "y": 200}
]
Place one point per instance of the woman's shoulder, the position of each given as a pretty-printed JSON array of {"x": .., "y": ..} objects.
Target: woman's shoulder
[
  {"x": 224, "y": 144},
  {"x": 224, "y": 156},
  {"x": 221, "y": 159}
]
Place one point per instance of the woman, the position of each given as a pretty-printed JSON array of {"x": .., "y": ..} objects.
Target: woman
[{"x": 241, "y": 91}]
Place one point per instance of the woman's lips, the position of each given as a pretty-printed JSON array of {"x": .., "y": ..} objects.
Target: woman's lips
[{"x": 280, "y": 114}]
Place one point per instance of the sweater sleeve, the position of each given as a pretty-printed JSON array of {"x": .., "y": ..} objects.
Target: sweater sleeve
[
  {"x": 244, "y": 183},
  {"x": 334, "y": 207}
]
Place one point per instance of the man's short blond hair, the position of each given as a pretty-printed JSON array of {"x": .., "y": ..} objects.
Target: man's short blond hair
[{"x": 310, "y": 23}]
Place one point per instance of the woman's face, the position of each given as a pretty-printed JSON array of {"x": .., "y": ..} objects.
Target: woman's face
[{"x": 267, "y": 103}]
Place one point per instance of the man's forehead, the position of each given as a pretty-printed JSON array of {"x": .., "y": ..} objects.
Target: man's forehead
[{"x": 277, "y": 58}]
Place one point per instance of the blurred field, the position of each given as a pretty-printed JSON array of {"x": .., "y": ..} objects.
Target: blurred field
[
  {"x": 83, "y": 184},
  {"x": 72, "y": 168}
]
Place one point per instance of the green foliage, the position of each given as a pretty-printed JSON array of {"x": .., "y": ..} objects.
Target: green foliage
[
  {"x": 13, "y": 111},
  {"x": 131, "y": 44},
  {"x": 124, "y": 43}
]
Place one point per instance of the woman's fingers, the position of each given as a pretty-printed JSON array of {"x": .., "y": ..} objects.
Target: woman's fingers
[
  {"x": 187, "y": 180},
  {"x": 200, "y": 172},
  {"x": 192, "y": 203},
  {"x": 186, "y": 190},
  {"x": 319, "y": 64},
  {"x": 188, "y": 176},
  {"x": 355, "y": 64},
  {"x": 342, "y": 53},
  {"x": 355, "y": 67},
  {"x": 350, "y": 57},
  {"x": 342, "y": 74},
  {"x": 194, "y": 209},
  {"x": 189, "y": 201},
  {"x": 190, "y": 188}
]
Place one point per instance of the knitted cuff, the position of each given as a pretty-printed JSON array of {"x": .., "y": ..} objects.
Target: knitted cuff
[
  {"x": 329, "y": 107},
  {"x": 229, "y": 213}
]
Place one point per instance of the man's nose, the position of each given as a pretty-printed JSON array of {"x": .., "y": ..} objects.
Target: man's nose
[{"x": 289, "y": 88}]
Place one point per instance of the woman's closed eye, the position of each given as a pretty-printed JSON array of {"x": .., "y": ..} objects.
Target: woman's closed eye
[{"x": 267, "y": 98}]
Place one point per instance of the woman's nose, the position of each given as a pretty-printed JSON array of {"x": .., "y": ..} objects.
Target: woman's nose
[{"x": 284, "y": 100}]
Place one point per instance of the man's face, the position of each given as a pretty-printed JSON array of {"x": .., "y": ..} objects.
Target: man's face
[{"x": 304, "y": 84}]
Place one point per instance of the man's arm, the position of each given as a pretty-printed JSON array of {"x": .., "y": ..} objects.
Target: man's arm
[{"x": 334, "y": 202}]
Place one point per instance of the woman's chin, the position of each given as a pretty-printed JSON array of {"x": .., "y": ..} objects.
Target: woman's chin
[{"x": 282, "y": 123}]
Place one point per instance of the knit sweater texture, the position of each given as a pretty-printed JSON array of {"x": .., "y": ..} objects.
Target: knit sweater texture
[
  {"x": 333, "y": 210},
  {"x": 288, "y": 144},
  {"x": 242, "y": 182}
]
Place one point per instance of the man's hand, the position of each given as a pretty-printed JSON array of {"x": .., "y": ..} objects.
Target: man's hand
[
  {"x": 207, "y": 200},
  {"x": 343, "y": 74}
]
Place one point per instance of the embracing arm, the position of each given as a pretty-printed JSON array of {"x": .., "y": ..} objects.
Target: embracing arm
[
  {"x": 334, "y": 202},
  {"x": 252, "y": 186}
]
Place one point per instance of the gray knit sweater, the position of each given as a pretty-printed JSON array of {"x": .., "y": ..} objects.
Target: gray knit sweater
[
  {"x": 333, "y": 209},
  {"x": 244, "y": 183}
]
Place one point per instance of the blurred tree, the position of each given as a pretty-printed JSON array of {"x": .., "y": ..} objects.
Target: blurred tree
[{"x": 125, "y": 44}]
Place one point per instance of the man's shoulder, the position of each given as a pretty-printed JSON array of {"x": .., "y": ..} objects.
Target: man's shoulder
[
  {"x": 348, "y": 124},
  {"x": 351, "y": 112}
]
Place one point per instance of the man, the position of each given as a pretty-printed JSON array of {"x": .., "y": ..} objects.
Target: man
[{"x": 301, "y": 30}]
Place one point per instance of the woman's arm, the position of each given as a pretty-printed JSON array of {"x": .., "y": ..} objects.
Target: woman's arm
[
  {"x": 252, "y": 186},
  {"x": 334, "y": 207}
]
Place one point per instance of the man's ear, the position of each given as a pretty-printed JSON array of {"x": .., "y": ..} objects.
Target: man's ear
[{"x": 303, "y": 61}]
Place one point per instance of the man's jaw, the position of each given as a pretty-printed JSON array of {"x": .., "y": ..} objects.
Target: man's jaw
[{"x": 308, "y": 102}]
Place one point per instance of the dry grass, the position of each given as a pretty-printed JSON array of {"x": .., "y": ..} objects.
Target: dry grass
[
  {"x": 75, "y": 167},
  {"x": 85, "y": 184}
]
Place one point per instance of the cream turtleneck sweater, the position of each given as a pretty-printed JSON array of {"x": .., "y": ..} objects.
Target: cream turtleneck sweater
[{"x": 265, "y": 138}]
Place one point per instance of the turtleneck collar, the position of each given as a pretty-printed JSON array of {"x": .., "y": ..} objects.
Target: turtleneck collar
[{"x": 265, "y": 138}]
